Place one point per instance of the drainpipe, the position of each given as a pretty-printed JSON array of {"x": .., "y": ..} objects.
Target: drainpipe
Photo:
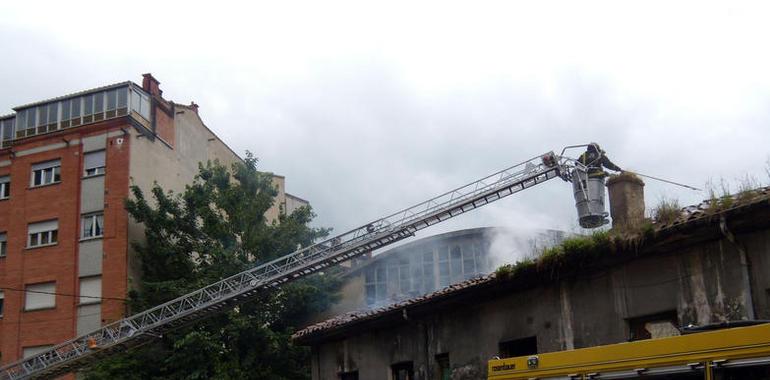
[{"x": 745, "y": 263}]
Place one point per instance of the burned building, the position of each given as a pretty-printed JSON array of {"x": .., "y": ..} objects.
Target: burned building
[
  {"x": 707, "y": 264},
  {"x": 435, "y": 262}
]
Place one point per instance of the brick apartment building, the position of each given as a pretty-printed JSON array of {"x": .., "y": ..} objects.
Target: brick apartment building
[{"x": 66, "y": 165}]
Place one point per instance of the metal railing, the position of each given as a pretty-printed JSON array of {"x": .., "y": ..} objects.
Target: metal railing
[{"x": 144, "y": 326}]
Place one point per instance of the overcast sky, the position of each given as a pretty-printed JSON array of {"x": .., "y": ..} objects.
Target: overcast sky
[{"x": 367, "y": 108}]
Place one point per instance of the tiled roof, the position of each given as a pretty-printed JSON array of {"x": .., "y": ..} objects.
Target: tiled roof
[
  {"x": 710, "y": 207},
  {"x": 362, "y": 315},
  {"x": 689, "y": 215}
]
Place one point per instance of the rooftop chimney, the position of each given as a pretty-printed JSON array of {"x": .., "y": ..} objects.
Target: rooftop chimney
[
  {"x": 151, "y": 85},
  {"x": 626, "y": 201},
  {"x": 194, "y": 106}
]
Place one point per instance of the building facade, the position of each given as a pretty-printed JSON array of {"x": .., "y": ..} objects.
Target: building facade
[
  {"x": 66, "y": 164},
  {"x": 434, "y": 262},
  {"x": 709, "y": 265}
]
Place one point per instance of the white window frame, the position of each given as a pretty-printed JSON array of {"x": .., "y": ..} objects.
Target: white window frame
[
  {"x": 3, "y": 245},
  {"x": 96, "y": 230},
  {"x": 47, "y": 231},
  {"x": 49, "y": 171},
  {"x": 92, "y": 171},
  {"x": 47, "y": 295},
  {"x": 2, "y": 303},
  {"x": 375, "y": 283},
  {"x": 5, "y": 187}
]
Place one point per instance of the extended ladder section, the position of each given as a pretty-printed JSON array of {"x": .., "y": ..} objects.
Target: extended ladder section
[{"x": 145, "y": 326}]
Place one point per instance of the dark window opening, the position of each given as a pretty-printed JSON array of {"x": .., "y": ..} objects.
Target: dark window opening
[
  {"x": 443, "y": 370},
  {"x": 758, "y": 372},
  {"x": 352, "y": 375},
  {"x": 518, "y": 347},
  {"x": 767, "y": 302},
  {"x": 402, "y": 371},
  {"x": 654, "y": 326}
]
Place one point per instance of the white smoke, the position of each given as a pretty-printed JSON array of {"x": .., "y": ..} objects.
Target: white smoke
[{"x": 509, "y": 246}]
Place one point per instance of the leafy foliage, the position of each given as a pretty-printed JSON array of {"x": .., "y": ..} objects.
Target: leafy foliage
[{"x": 215, "y": 228}]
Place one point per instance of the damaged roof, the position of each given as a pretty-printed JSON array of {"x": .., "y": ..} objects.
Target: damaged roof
[{"x": 708, "y": 212}]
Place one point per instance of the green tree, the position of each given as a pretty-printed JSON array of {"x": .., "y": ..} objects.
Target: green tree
[{"x": 217, "y": 228}]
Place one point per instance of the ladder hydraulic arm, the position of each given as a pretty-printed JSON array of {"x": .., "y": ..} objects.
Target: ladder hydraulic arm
[{"x": 229, "y": 292}]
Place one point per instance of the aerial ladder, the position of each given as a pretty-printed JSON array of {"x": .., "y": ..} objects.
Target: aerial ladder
[{"x": 225, "y": 294}]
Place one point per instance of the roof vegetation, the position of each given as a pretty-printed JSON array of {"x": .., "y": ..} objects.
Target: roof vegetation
[
  {"x": 575, "y": 251},
  {"x": 667, "y": 211}
]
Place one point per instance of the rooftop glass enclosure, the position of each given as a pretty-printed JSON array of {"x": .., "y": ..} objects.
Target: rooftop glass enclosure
[{"x": 72, "y": 111}]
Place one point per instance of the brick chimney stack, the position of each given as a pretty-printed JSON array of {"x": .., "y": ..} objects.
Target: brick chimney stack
[
  {"x": 626, "y": 201},
  {"x": 151, "y": 85}
]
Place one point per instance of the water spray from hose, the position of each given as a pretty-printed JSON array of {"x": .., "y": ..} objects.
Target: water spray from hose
[{"x": 664, "y": 180}]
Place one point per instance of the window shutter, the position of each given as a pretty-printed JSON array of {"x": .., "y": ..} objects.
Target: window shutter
[
  {"x": 46, "y": 165},
  {"x": 5, "y": 179},
  {"x": 91, "y": 287},
  {"x": 32, "y": 351},
  {"x": 94, "y": 160},
  {"x": 44, "y": 226},
  {"x": 37, "y": 297}
]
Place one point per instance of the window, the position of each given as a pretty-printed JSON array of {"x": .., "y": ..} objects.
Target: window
[
  {"x": 122, "y": 101},
  {"x": 740, "y": 369},
  {"x": 352, "y": 375},
  {"x": 43, "y": 233},
  {"x": 65, "y": 109},
  {"x": 8, "y": 126},
  {"x": 5, "y": 187},
  {"x": 94, "y": 163},
  {"x": 375, "y": 284},
  {"x": 46, "y": 173},
  {"x": 2, "y": 303},
  {"x": 53, "y": 115},
  {"x": 92, "y": 226},
  {"x": 112, "y": 99},
  {"x": 428, "y": 277},
  {"x": 443, "y": 266},
  {"x": 90, "y": 290},
  {"x": 404, "y": 280},
  {"x": 402, "y": 371},
  {"x": 443, "y": 370},
  {"x": 75, "y": 111},
  {"x": 32, "y": 351},
  {"x": 98, "y": 102},
  {"x": 31, "y": 118},
  {"x": 456, "y": 257},
  {"x": 140, "y": 103},
  {"x": 518, "y": 347},
  {"x": 40, "y": 296},
  {"x": 654, "y": 326},
  {"x": 42, "y": 116},
  {"x": 3, "y": 245},
  {"x": 88, "y": 108}
]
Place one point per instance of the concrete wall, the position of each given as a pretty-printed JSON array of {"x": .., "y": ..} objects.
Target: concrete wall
[
  {"x": 293, "y": 203},
  {"x": 172, "y": 167},
  {"x": 279, "y": 182},
  {"x": 701, "y": 284}
]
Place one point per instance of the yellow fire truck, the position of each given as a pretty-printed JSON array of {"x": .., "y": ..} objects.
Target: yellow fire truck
[{"x": 738, "y": 353}]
